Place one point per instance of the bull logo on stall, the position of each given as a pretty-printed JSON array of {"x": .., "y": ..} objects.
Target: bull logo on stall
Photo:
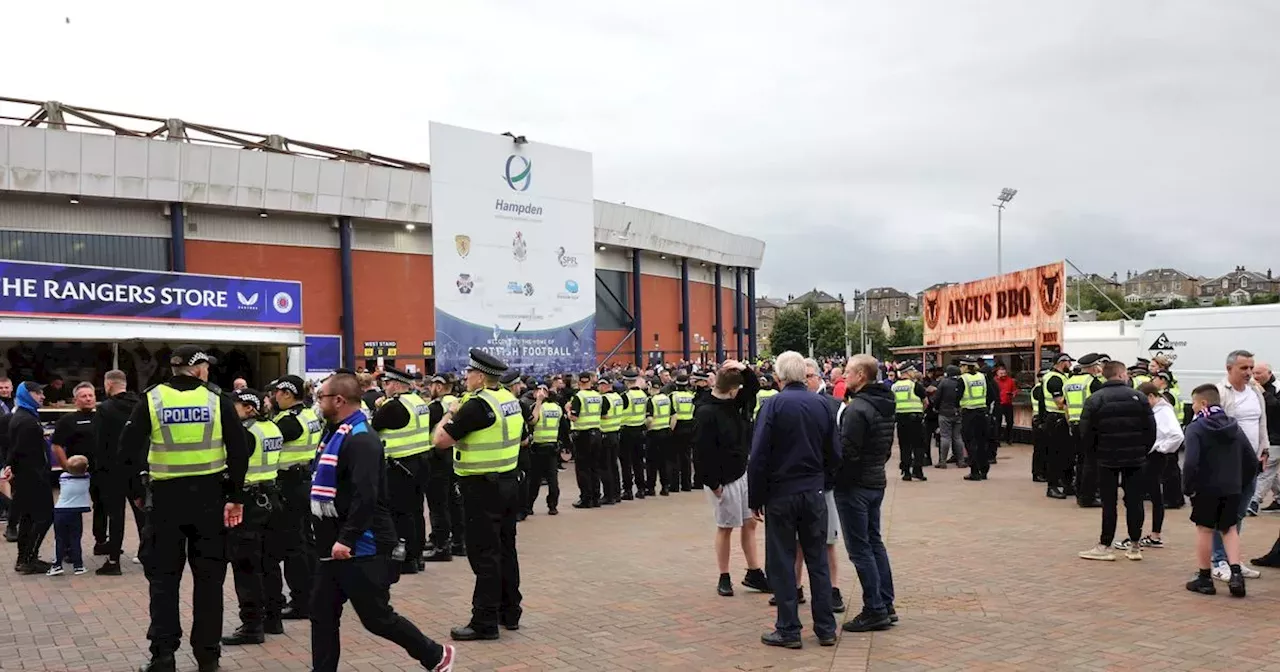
[
  {"x": 1051, "y": 290},
  {"x": 931, "y": 310},
  {"x": 463, "y": 245}
]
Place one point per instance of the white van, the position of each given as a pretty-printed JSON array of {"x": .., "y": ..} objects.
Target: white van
[
  {"x": 1198, "y": 339},
  {"x": 1118, "y": 339}
]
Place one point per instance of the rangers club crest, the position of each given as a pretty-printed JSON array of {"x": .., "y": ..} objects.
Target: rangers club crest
[
  {"x": 463, "y": 245},
  {"x": 519, "y": 248},
  {"x": 1051, "y": 289}
]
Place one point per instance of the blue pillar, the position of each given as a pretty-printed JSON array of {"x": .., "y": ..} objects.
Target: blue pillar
[
  {"x": 751, "y": 314},
  {"x": 684, "y": 308},
  {"x": 348, "y": 294},
  {"x": 737, "y": 308},
  {"x": 177, "y": 239},
  {"x": 718, "y": 322},
  {"x": 636, "y": 311}
]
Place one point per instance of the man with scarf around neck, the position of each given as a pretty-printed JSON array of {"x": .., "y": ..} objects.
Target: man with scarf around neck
[{"x": 355, "y": 535}]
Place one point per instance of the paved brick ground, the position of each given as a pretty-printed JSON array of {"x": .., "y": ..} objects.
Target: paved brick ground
[{"x": 987, "y": 579}]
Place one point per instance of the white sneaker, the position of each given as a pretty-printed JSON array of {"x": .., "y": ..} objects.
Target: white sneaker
[
  {"x": 1098, "y": 552},
  {"x": 1222, "y": 571},
  {"x": 136, "y": 561},
  {"x": 1248, "y": 572},
  {"x": 55, "y": 570}
]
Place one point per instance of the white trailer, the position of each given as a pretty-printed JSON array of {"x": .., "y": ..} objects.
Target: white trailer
[
  {"x": 1198, "y": 339},
  {"x": 1118, "y": 339}
]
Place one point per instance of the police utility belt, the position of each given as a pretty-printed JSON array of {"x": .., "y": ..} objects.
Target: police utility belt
[{"x": 260, "y": 493}]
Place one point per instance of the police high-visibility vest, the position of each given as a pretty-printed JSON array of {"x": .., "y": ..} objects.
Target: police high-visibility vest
[
  {"x": 975, "y": 391},
  {"x": 636, "y": 400},
  {"x": 1138, "y": 380},
  {"x": 613, "y": 421},
  {"x": 589, "y": 405},
  {"x": 548, "y": 428},
  {"x": 186, "y": 433},
  {"x": 905, "y": 399},
  {"x": 760, "y": 397},
  {"x": 1049, "y": 404},
  {"x": 1076, "y": 392},
  {"x": 302, "y": 449},
  {"x": 496, "y": 448},
  {"x": 268, "y": 444},
  {"x": 367, "y": 413},
  {"x": 415, "y": 437},
  {"x": 661, "y": 411},
  {"x": 683, "y": 400}
]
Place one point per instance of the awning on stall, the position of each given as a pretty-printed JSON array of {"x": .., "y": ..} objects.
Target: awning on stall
[{"x": 966, "y": 347}]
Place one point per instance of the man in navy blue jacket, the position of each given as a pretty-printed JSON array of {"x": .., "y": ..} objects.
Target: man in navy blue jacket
[{"x": 794, "y": 458}]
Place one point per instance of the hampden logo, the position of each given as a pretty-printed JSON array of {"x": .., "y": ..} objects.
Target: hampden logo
[
  {"x": 519, "y": 248},
  {"x": 463, "y": 245},
  {"x": 565, "y": 260},
  {"x": 282, "y": 302},
  {"x": 519, "y": 173}
]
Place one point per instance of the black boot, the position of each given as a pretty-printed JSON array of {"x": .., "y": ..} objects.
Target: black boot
[
  {"x": 1271, "y": 559},
  {"x": 1054, "y": 492},
  {"x": 272, "y": 625},
  {"x": 245, "y": 635},
  {"x": 160, "y": 662}
]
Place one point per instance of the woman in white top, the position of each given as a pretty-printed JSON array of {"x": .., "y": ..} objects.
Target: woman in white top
[{"x": 1168, "y": 440}]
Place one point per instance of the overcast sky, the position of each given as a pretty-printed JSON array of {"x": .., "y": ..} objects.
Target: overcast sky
[{"x": 864, "y": 142}]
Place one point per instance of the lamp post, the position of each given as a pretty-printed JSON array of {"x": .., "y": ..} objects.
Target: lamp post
[
  {"x": 1005, "y": 196},
  {"x": 808, "y": 313},
  {"x": 848, "y": 347}
]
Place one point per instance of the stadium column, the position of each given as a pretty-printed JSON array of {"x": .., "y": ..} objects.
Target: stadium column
[
  {"x": 737, "y": 308},
  {"x": 177, "y": 239},
  {"x": 684, "y": 307},
  {"x": 636, "y": 311},
  {"x": 718, "y": 321},
  {"x": 348, "y": 294},
  {"x": 751, "y": 315}
]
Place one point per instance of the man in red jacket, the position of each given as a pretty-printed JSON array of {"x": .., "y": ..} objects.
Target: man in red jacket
[{"x": 1004, "y": 411}]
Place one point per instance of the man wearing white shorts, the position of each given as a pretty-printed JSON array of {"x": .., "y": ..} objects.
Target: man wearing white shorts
[{"x": 721, "y": 446}]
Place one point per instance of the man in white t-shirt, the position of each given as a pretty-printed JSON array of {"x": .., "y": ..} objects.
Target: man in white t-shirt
[{"x": 1242, "y": 401}]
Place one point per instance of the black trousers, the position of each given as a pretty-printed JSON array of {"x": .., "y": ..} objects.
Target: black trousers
[
  {"x": 33, "y": 512},
  {"x": 1086, "y": 471},
  {"x": 448, "y": 526},
  {"x": 1060, "y": 450},
  {"x": 366, "y": 583},
  {"x": 404, "y": 484},
  {"x": 249, "y": 548},
  {"x": 97, "y": 495},
  {"x": 656, "y": 462},
  {"x": 973, "y": 426},
  {"x": 586, "y": 452},
  {"x": 680, "y": 455},
  {"x": 293, "y": 544},
  {"x": 1172, "y": 482},
  {"x": 113, "y": 493},
  {"x": 610, "y": 479},
  {"x": 631, "y": 457},
  {"x": 185, "y": 527},
  {"x": 931, "y": 437},
  {"x": 1153, "y": 477},
  {"x": 1131, "y": 479},
  {"x": 525, "y": 465},
  {"x": 912, "y": 449},
  {"x": 544, "y": 459},
  {"x": 1004, "y": 421},
  {"x": 490, "y": 502},
  {"x": 1039, "y": 449}
]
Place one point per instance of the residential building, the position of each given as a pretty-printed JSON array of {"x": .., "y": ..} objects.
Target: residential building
[
  {"x": 1160, "y": 285},
  {"x": 885, "y": 302},
  {"x": 819, "y": 298},
  {"x": 937, "y": 285},
  {"x": 1240, "y": 285},
  {"x": 767, "y": 310}
]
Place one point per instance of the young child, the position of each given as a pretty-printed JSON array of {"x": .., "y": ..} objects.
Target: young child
[
  {"x": 1220, "y": 463},
  {"x": 68, "y": 514}
]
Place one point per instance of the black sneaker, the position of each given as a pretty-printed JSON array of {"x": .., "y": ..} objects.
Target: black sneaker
[
  {"x": 244, "y": 635},
  {"x": 1252, "y": 512},
  {"x": 756, "y": 580},
  {"x": 893, "y": 615},
  {"x": 868, "y": 622},
  {"x": 109, "y": 569},
  {"x": 906, "y": 476},
  {"x": 553, "y": 511},
  {"x": 1235, "y": 584},
  {"x": 837, "y": 602},
  {"x": 919, "y": 475},
  {"x": 776, "y": 639},
  {"x": 35, "y": 567},
  {"x": 272, "y": 625},
  {"x": 828, "y": 640},
  {"x": 580, "y": 504},
  {"x": 664, "y": 492},
  {"x": 773, "y": 601},
  {"x": 973, "y": 477},
  {"x": 1203, "y": 584},
  {"x": 725, "y": 587},
  {"x": 626, "y": 496}
]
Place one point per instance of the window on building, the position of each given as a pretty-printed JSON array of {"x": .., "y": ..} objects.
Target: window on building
[
  {"x": 1226, "y": 282},
  {"x": 82, "y": 249},
  {"x": 1164, "y": 286},
  {"x": 610, "y": 315},
  {"x": 1244, "y": 282}
]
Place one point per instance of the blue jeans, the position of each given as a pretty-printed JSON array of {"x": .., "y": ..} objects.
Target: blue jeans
[
  {"x": 1246, "y": 495},
  {"x": 859, "y": 510},
  {"x": 68, "y": 528},
  {"x": 802, "y": 519}
]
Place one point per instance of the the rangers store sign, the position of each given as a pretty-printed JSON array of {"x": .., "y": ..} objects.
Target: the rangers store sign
[{"x": 1023, "y": 305}]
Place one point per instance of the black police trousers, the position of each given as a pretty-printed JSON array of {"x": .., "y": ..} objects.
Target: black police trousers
[
  {"x": 680, "y": 456},
  {"x": 1086, "y": 471},
  {"x": 405, "y": 476},
  {"x": 185, "y": 526},
  {"x": 448, "y": 526},
  {"x": 607, "y": 465},
  {"x": 912, "y": 447},
  {"x": 525, "y": 465},
  {"x": 1039, "y": 449},
  {"x": 251, "y": 548},
  {"x": 973, "y": 426},
  {"x": 543, "y": 463},
  {"x": 657, "y": 462},
  {"x": 490, "y": 503},
  {"x": 586, "y": 454},
  {"x": 631, "y": 457},
  {"x": 1060, "y": 451},
  {"x": 293, "y": 543},
  {"x": 366, "y": 583}
]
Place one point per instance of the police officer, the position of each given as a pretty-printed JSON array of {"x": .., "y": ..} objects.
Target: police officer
[
  {"x": 548, "y": 419},
  {"x": 659, "y": 416},
  {"x": 1059, "y": 443},
  {"x": 682, "y": 436},
  {"x": 187, "y": 438},
  {"x": 300, "y": 428},
  {"x": 1038, "y": 450},
  {"x": 585, "y": 410},
  {"x": 973, "y": 419},
  {"x": 631, "y": 439},
  {"x": 909, "y": 395},
  {"x": 1079, "y": 388},
  {"x": 767, "y": 390},
  {"x": 1140, "y": 372},
  {"x": 448, "y": 535},
  {"x": 248, "y": 542},
  {"x": 484, "y": 432},
  {"x": 513, "y": 383},
  {"x": 403, "y": 424},
  {"x": 610, "y": 441}
]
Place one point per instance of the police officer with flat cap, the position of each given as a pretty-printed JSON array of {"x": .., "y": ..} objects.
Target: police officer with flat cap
[
  {"x": 484, "y": 431},
  {"x": 973, "y": 419},
  {"x": 402, "y": 422},
  {"x": 610, "y": 442},
  {"x": 448, "y": 527},
  {"x": 186, "y": 445},
  {"x": 631, "y": 437},
  {"x": 1039, "y": 451},
  {"x": 301, "y": 429},
  {"x": 585, "y": 410},
  {"x": 913, "y": 449},
  {"x": 1079, "y": 388},
  {"x": 514, "y": 383},
  {"x": 1060, "y": 450},
  {"x": 682, "y": 435},
  {"x": 250, "y": 547}
]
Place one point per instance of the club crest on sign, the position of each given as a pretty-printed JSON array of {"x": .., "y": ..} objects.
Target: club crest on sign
[{"x": 463, "y": 245}]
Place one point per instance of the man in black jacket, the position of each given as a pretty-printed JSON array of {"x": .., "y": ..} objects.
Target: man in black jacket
[
  {"x": 28, "y": 466},
  {"x": 1269, "y": 479},
  {"x": 721, "y": 445},
  {"x": 1118, "y": 428},
  {"x": 113, "y": 485},
  {"x": 947, "y": 400},
  {"x": 866, "y": 440}
]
